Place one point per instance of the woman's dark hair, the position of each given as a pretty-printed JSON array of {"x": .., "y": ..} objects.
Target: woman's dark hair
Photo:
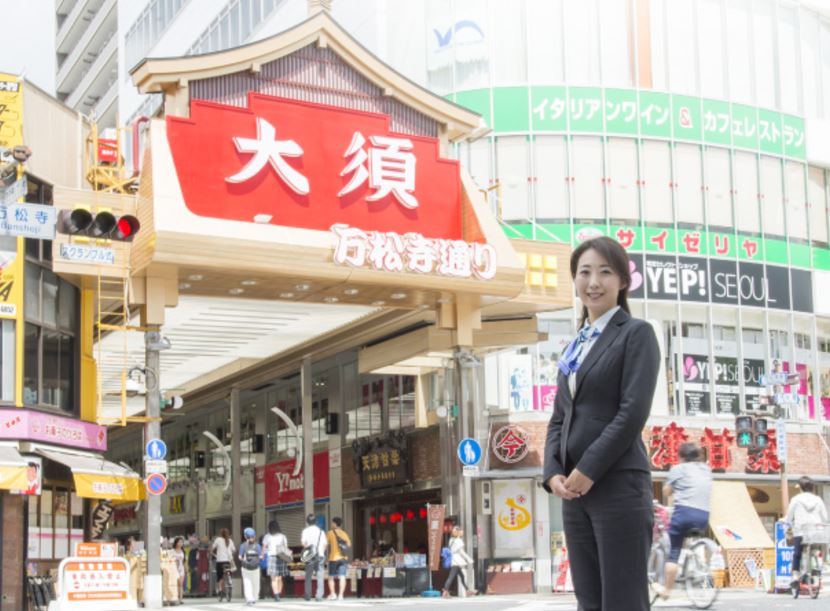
[
  {"x": 176, "y": 541},
  {"x": 806, "y": 484},
  {"x": 613, "y": 252},
  {"x": 274, "y": 527},
  {"x": 689, "y": 452},
  {"x": 226, "y": 535},
  {"x": 338, "y": 522}
]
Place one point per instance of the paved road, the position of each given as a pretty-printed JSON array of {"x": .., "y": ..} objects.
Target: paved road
[{"x": 729, "y": 600}]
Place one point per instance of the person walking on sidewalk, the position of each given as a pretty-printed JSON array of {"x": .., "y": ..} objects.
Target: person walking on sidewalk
[
  {"x": 249, "y": 554},
  {"x": 313, "y": 541},
  {"x": 222, "y": 550},
  {"x": 275, "y": 547},
  {"x": 460, "y": 560},
  {"x": 595, "y": 458},
  {"x": 340, "y": 545},
  {"x": 806, "y": 509}
]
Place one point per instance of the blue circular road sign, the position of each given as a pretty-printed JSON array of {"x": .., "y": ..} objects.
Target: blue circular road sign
[
  {"x": 156, "y": 484},
  {"x": 469, "y": 452},
  {"x": 156, "y": 449}
]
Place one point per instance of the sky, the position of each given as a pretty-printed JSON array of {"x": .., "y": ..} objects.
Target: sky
[{"x": 29, "y": 41}]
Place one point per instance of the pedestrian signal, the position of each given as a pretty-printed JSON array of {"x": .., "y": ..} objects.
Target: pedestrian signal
[
  {"x": 761, "y": 435},
  {"x": 103, "y": 225},
  {"x": 743, "y": 431}
]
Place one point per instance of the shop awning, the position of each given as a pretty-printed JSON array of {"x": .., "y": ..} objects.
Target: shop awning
[
  {"x": 733, "y": 518},
  {"x": 12, "y": 469},
  {"x": 98, "y": 478}
]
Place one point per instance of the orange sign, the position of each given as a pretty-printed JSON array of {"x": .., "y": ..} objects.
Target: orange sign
[
  {"x": 96, "y": 550},
  {"x": 94, "y": 583}
]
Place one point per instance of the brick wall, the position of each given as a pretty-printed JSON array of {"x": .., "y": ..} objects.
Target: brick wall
[{"x": 14, "y": 546}]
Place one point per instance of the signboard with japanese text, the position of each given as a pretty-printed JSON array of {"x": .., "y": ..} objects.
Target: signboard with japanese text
[
  {"x": 19, "y": 424},
  {"x": 510, "y": 444},
  {"x": 629, "y": 112},
  {"x": 383, "y": 463},
  {"x": 304, "y": 165},
  {"x": 11, "y": 283},
  {"x": 283, "y": 487},
  {"x": 34, "y": 221},
  {"x": 435, "y": 529},
  {"x": 11, "y": 111},
  {"x": 697, "y": 374},
  {"x": 94, "y": 584},
  {"x": 513, "y": 518}
]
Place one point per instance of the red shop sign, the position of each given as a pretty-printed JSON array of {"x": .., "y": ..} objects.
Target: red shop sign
[
  {"x": 298, "y": 164},
  {"x": 282, "y": 486}
]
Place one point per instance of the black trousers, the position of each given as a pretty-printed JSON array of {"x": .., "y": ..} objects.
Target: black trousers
[
  {"x": 608, "y": 535},
  {"x": 455, "y": 571}
]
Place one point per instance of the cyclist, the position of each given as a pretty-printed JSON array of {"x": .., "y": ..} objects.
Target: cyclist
[
  {"x": 806, "y": 509},
  {"x": 690, "y": 484}
]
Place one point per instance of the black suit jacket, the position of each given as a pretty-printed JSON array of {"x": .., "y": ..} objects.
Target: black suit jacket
[{"x": 599, "y": 429}]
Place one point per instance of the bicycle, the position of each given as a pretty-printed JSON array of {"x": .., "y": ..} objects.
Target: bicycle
[
  {"x": 815, "y": 537},
  {"x": 695, "y": 567},
  {"x": 227, "y": 582}
]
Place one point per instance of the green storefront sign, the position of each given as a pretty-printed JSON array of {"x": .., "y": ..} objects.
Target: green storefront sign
[{"x": 631, "y": 112}]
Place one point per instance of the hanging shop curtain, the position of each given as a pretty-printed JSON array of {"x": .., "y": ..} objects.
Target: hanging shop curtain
[{"x": 98, "y": 478}]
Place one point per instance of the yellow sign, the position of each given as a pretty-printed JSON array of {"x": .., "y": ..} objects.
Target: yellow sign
[
  {"x": 11, "y": 111},
  {"x": 103, "y": 486},
  {"x": 513, "y": 516},
  {"x": 13, "y": 478},
  {"x": 11, "y": 283}
]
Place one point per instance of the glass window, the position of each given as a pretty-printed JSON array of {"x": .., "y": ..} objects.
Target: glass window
[
  {"x": 513, "y": 175},
  {"x": 738, "y": 43},
  {"x": 747, "y": 211},
  {"x": 811, "y": 77},
  {"x": 680, "y": 24},
  {"x": 32, "y": 291},
  {"x": 617, "y": 56},
  {"x": 544, "y": 42},
  {"x": 623, "y": 201},
  {"x": 49, "y": 295},
  {"x": 587, "y": 189},
  {"x": 688, "y": 194},
  {"x": 480, "y": 162},
  {"x": 788, "y": 67},
  {"x": 817, "y": 205},
  {"x": 796, "y": 209},
  {"x": 656, "y": 170},
  {"x": 550, "y": 156},
  {"x": 764, "y": 38},
  {"x": 772, "y": 202},
  {"x": 7, "y": 360},
  {"x": 718, "y": 188},
  {"x": 824, "y": 41},
  {"x": 711, "y": 49},
  {"x": 402, "y": 402},
  {"x": 581, "y": 42},
  {"x": 31, "y": 365},
  {"x": 510, "y": 43},
  {"x": 657, "y": 23}
]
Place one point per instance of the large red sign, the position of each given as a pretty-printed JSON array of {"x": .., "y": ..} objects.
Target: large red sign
[
  {"x": 282, "y": 486},
  {"x": 297, "y": 164}
]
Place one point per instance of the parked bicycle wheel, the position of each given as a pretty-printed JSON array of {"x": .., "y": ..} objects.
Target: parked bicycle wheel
[{"x": 700, "y": 585}]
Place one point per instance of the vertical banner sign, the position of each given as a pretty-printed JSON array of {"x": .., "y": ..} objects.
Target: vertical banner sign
[
  {"x": 783, "y": 558},
  {"x": 435, "y": 529},
  {"x": 513, "y": 517}
]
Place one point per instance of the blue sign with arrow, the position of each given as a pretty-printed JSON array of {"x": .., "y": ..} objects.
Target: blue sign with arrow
[
  {"x": 156, "y": 449},
  {"x": 469, "y": 452}
]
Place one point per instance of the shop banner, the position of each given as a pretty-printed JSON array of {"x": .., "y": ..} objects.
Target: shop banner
[
  {"x": 26, "y": 424},
  {"x": 513, "y": 518},
  {"x": 629, "y": 112},
  {"x": 11, "y": 283},
  {"x": 283, "y": 487},
  {"x": 11, "y": 111},
  {"x": 697, "y": 374},
  {"x": 108, "y": 487},
  {"x": 34, "y": 476},
  {"x": 783, "y": 557},
  {"x": 14, "y": 477},
  {"x": 701, "y": 280},
  {"x": 383, "y": 463},
  {"x": 519, "y": 372},
  {"x": 435, "y": 531},
  {"x": 94, "y": 583}
]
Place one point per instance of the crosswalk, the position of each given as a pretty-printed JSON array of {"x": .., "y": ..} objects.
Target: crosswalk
[{"x": 491, "y": 602}]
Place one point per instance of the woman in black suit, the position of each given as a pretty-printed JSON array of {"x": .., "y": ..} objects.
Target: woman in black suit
[{"x": 595, "y": 458}]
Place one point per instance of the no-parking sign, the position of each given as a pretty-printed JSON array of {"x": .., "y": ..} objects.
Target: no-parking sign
[{"x": 156, "y": 483}]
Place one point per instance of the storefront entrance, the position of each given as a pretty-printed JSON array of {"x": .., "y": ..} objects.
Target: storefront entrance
[{"x": 393, "y": 522}]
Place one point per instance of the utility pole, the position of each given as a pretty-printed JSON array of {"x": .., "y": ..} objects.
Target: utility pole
[
  {"x": 308, "y": 440},
  {"x": 152, "y": 430}
]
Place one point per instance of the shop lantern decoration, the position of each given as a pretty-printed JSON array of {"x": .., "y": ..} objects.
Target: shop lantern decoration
[
  {"x": 716, "y": 446},
  {"x": 382, "y": 461},
  {"x": 372, "y": 520},
  {"x": 510, "y": 444},
  {"x": 665, "y": 443},
  {"x": 765, "y": 460},
  {"x": 410, "y": 515}
]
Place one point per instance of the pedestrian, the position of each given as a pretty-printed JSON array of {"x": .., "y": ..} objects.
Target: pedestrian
[
  {"x": 222, "y": 550},
  {"x": 340, "y": 546},
  {"x": 805, "y": 509},
  {"x": 275, "y": 548},
  {"x": 690, "y": 484},
  {"x": 314, "y": 553},
  {"x": 193, "y": 564},
  {"x": 178, "y": 556},
  {"x": 595, "y": 459},
  {"x": 249, "y": 554},
  {"x": 460, "y": 560}
]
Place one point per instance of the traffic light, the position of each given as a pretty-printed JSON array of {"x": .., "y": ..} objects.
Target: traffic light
[
  {"x": 103, "y": 225},
  {"x": 175, "y": 402},
  {"x": 761, "y": 435},
  {"x": 743, "y": 431}
]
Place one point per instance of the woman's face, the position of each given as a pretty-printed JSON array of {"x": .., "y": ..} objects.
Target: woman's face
[{"x": 597, "y": 284}]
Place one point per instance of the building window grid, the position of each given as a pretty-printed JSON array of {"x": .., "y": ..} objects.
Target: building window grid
[
  {"x": 233, "y": 26},
  {"x": 149, "y": 27}
]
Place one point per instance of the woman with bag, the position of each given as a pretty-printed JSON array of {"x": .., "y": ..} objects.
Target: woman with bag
[
  {"x": 222, "y": 550},
  {"x": 275, "y": 549},
  {"x": 460, "y": 559}
]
